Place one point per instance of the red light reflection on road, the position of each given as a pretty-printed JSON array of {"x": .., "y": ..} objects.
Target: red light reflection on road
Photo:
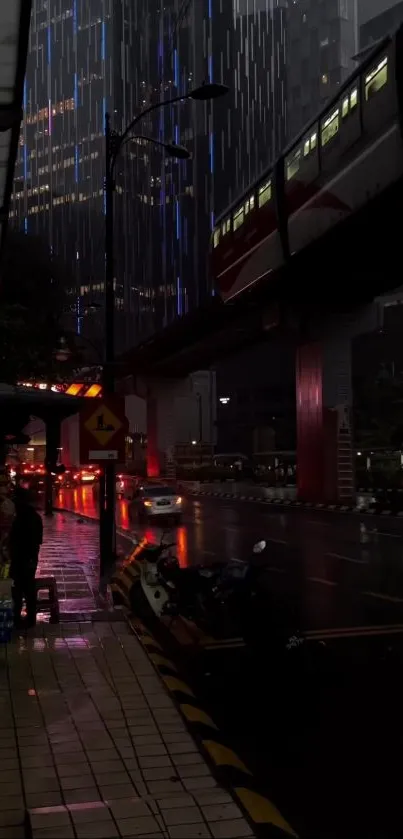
[
  {"x": 182, "y": 547},
  {"x": 123, "y": 518}
]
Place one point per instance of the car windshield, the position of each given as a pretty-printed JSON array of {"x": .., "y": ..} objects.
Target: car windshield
[{"x": 153, "y": 492}]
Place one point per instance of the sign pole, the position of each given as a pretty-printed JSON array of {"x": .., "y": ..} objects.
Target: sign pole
[{"x": 107, "y": 531}]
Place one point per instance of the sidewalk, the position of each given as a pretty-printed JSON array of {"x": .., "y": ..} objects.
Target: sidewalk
[
  {"x": 92, "y": 746},
  {"x": 70, "y": 553}
]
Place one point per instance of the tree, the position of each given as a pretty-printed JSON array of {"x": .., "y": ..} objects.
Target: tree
[{"x": 33, "y": 292}]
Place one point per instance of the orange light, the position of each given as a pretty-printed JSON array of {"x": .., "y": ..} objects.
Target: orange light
[
  {"x": 92, "y": 391},
  {"x": 73, "y": 389}
]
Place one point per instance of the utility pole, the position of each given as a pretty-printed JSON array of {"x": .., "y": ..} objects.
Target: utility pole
[{"x": 107, "y": 500}]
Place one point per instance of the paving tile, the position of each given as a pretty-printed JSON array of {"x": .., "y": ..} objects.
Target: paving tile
[
  {"x": 188, "y": 831},
  {"x": 113, "y": 791},
  {"x": 100, "y": 830},
  {"x": 43, "y": 799},
  {"x": 11, "y": 817},
  {"x": 194, "y": 771},
  {"x": 106, "y": 778},
  {"x": 129, "y": 808},
  {"x": 182, "y": 815},
  {"x": 151, "y": 751},
  {"x": 199, "y": 783},
  {"x": 160, "y": 773},
  {"x": 12, "y": 833},
  {"x": 70, "y": 770},
  {"x": 180, "y": 800},
  {"x": 50, "y": 818},
  {"x": 78, "y": 796},
  {"x": 49, "y": 833},
  {"x": 12, "y": 788},
  {"x": 137, "y": 826},
  {"x": 221, "y": 812},
  {"x": 231, "y": 829},
  {"x": 77, "y": 781},
  {"x": 165, "y": 786},
  {"x": 95, "y": 812},
  {"x": 149, "y": 762},
  {"x": 108, "y": 766}
]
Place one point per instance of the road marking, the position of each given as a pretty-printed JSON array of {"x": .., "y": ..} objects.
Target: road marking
[
  {"x": 353, "y": 632},
  {"x": 261, "y": 810},
  {"x": 323, "y": 582},
  {"x": 381, "y": 596},
  {"x": 223, "y": 756},
  {"x": 348, "y": 559},
  {"x": 277, "y": 541},
  {"x": 194, "y": 714},
  {"x": 380, "y": 533}
]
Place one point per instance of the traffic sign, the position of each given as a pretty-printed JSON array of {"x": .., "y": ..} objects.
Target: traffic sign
[{"x": 103, "y": 428}]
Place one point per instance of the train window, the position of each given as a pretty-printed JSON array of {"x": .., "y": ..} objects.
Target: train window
[
  {"x": 264, "y": 194},
  {"x": 310, "y": 144},
  {"x": 239, "y": 217},
  {"x": 376, "y": 79},
  {"x": 216, "y": 237},
  {"x": 330, "y": 127},
  {"x": 226, "y": 226},
  {"x": 353, "y": 99},
  {"x": 345, "y": 107},
  {"x": 249, "y": 204},
  {"x": 293, "y": 164}
]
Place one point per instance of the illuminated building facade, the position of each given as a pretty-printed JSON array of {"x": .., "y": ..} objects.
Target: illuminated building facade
[{"x": 87, "y": 57}]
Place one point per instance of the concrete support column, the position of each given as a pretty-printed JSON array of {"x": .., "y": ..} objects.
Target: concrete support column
[
  {"x": 179, "y": 411},
  {"x": 324, "y": 410}
]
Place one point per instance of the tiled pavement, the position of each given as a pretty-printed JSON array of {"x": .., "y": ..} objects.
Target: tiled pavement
[
  {"x": 94, "y": 748},
  {"x": 70, "y": 553}
]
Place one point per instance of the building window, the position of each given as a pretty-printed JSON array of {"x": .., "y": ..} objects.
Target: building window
[
  {"x": 264, "y": 194},
  {"x": 293, "y": 164},
  {"x": 216, "y": 237},
  {"x": 330, "y": 127},
  {"x": 239, "y": 217},
  {"x": 376, "y": 79}
]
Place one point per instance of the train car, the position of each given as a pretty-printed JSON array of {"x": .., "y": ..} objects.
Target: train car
[{"x": 348, "y": 154}]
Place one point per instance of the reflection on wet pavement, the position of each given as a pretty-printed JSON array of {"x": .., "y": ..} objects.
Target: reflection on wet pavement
[{"x": 70, "y": 554}]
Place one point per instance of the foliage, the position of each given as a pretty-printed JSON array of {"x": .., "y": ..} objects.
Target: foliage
[{"x": 32, "y": 301}]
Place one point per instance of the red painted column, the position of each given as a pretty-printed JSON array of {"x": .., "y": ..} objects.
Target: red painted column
[
  {"x": 310, "y": 449},
  {"x": 324, "y": 443},
  {"x": 153, "y": 455}
]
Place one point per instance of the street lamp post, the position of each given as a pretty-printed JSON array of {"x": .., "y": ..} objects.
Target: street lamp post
[{"x": 113, "y": 145}]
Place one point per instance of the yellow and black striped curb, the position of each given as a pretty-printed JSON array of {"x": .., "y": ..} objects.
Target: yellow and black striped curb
[{"x": 262, "y": 814}]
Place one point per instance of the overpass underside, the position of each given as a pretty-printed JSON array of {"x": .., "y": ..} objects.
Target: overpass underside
[{"x": 355, "y": 262}]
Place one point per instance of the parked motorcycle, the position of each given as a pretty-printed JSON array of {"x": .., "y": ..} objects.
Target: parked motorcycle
[{"x": 221, "y": 600}]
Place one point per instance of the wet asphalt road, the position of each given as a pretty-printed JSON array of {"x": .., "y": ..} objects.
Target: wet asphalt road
[{"x": 325, "y": 740}]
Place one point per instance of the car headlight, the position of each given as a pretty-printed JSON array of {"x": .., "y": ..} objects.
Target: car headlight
[
  {"x": 148, "y": 503},
  {"x": 178, "y": 500}
]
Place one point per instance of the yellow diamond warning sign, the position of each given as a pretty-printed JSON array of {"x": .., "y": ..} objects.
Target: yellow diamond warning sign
[{"x": 103, "y": 425}]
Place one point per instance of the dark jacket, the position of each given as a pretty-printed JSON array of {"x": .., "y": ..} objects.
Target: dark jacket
[{"x": 25, "y": 539}]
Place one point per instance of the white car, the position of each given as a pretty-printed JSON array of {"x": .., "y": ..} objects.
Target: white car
[{"x": 154, "y": 500}]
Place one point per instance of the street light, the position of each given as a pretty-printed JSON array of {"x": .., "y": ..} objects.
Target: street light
[{"x": 113, "y": 144}]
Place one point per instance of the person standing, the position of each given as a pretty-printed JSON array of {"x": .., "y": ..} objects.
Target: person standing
[{"x": 25, "y": 539}]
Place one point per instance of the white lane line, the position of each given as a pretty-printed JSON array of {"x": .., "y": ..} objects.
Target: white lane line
[
  {"x": 380, "y": 533},
  {"x": 348, "y": 559},
  {"x": 323, "y": 582},
  {"x": 277, "y": 541},
  {"x": 380, "y": 596}
]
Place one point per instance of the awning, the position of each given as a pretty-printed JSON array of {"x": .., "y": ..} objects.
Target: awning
[{"x": 15, "y": 17}]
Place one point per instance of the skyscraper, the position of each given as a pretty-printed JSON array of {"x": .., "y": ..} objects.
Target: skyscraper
[
  {"x": 87, "y": 57},
  {"x": 322, "y": 42}
]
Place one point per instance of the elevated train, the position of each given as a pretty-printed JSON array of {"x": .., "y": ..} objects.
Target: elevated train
[{"x": 351, "y": 152}]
